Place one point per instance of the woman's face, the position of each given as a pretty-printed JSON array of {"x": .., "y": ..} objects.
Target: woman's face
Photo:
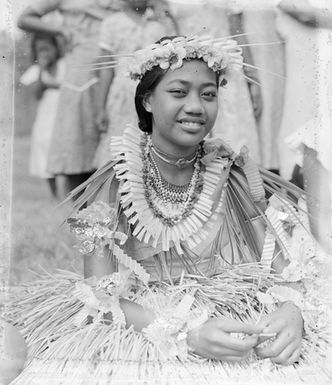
[
  {"x": 184, "y": 106},
  {"x": 46, "y": 52}
]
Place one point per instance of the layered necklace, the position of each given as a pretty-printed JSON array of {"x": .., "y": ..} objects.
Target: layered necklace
[
  {"x": 170, "y": 202},
  {"x": 179, "y": 163}
]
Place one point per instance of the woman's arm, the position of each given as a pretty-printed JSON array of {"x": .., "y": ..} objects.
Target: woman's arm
[
  {"x": 235, "y": 21},
  {"x": 30, "y": 20},
  {"x": 307, "y": 14},
  {"x": 106, "y": 76},
  {"x": 286, "y": 322},
  {"x": 316, "y": 184},
  {"x": 135, "y": 314}
]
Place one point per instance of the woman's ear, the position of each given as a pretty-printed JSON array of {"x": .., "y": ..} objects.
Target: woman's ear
[{"x": 147, "y": 103}]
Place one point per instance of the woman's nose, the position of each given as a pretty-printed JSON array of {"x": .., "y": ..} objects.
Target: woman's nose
[{"x": 193, "y": 104}]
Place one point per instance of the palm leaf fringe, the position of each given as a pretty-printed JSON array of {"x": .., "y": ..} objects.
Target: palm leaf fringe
[{"x": 45, "y": 312}]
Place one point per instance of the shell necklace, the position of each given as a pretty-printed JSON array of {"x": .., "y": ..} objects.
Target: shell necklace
[{"x": 171, "y": 203}]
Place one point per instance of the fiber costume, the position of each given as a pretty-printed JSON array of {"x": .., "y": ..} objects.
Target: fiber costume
[{"x": 188, "y": 253}]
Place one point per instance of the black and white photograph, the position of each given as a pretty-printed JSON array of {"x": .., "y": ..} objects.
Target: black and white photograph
[{"x": 166, "y": 192}]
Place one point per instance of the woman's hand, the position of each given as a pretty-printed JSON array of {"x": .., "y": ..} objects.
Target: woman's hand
[
  {"x": 102, "y": 120},
  {"x": 287, "y": 323},
  {"x": 214, "y": 340},
  {"x": 301, "y": 10},
  {"x": 256, "y": 99}
]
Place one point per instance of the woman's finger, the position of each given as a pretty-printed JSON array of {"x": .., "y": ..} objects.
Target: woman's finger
[
  {"x": 263, "y": 337},
  {"x": 272, "y": 325},
  {"x": 234, "y": 358},
  {"x": 285, "y": 355},
  {"x": 294, "y": 357},
  {"x": 233, "y": 326},
  {"x": 240, "y": 345},
  {"x": 275, "y": 348},
  {"x": 221, "y": 351}
]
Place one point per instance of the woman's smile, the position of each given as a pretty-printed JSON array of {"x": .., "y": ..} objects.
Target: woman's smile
[
  {"x": 184, "y": 106},
  {"x": 192, "y": 126}
]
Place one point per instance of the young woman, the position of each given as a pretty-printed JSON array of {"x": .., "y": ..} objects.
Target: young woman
[
  {"x": 186, "y": 270},
  {"x": 44, "y": 78}
]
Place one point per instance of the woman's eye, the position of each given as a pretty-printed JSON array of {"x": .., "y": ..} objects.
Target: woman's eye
[
  {"x": 210, "y": 94},
  {"x": 178, "y": 92}
]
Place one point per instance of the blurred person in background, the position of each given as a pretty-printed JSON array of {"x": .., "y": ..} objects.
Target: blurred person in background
[
  {"x": 141, "y": 22},
  {"x": 76, "y": 135},
  {"x": 43, "y": 77},
  {"x": 311, "y": 143},
  {"x": 240, "y": 102},
  {"x": 259, "y": 19},
  {"x": 306, "y": 64},
  {"x": 314, "y": 14}
]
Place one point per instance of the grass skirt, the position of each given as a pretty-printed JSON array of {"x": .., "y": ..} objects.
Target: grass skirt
[{"x": 63, "y": 352}]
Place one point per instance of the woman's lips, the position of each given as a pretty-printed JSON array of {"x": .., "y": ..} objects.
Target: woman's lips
[{"x": 191, "y": 126}]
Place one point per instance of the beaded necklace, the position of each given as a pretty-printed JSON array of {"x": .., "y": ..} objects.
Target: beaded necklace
[
  {"x": 171, "y": 203},
  {"x": 180, "y": 163}
]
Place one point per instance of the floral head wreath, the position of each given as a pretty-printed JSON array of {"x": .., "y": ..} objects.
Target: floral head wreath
[{"x": 220, "y": 55}]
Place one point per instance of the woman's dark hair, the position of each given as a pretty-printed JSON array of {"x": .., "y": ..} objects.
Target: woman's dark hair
[
  {"x": 147, "y": 84},
  {"x": 145, "y": 87},
  {"x": 42, "y": 36}
]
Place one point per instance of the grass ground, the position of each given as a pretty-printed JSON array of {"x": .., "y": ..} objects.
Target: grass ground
[{"x": 38, "y": 239}]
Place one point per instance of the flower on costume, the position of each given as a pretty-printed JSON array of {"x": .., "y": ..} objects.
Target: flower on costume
[
  {"x": 216, "y": 148},
  {"x": 100, "y": 297},
  {"x": 242, "y": 158},
  {"x": 95, "y": 227},
  {"x": 114, "y": 284}
]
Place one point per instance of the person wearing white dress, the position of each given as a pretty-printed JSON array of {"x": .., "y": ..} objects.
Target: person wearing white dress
[
  {"x": 306, "y": 63},
  {"x": 44, "y": 77}
]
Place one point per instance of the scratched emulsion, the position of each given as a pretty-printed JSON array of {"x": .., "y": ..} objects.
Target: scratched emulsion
[{"x": 6, "y": 137}]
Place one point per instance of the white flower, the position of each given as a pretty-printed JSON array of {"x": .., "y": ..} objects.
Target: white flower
[
  {"x": 87, "y": 247},
  {"x": 171, "y": 53},
  {"x": 176, "y": 58},
  {"x": 166, "y": 42},
  {"x": 265, "y": 299}
]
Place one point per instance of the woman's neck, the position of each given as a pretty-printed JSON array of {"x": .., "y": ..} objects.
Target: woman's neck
[
  {"x": 172, "y": 174},
  {"x": 166, "y": 157},
  {"x": 173, "y": 150}
]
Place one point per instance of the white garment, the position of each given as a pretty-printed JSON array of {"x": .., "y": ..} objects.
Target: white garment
[
  {"x": 44, "y": 122},
  {"x": 309, "y": 80}
]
